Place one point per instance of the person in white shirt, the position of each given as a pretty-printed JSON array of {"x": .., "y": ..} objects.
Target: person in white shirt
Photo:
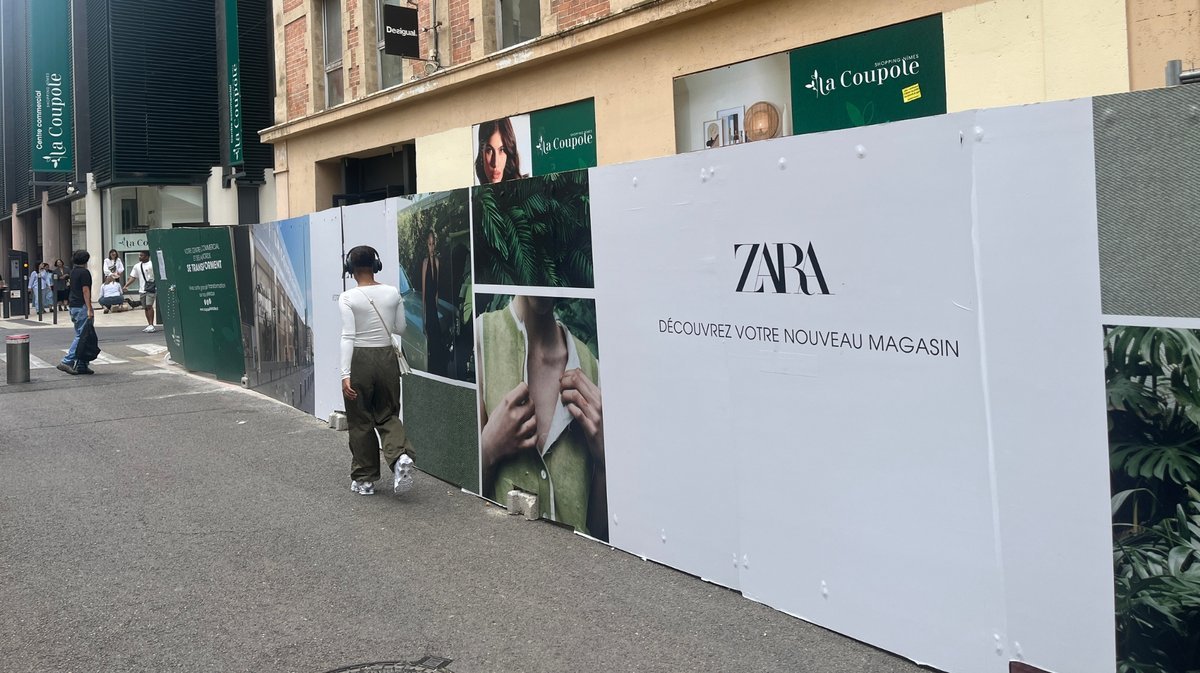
[
  {"x": 113, "y": 266},
  {"x": 371, "y": 313},
  {"x": 112, "y": 298},
  {"x": 143, "y": 272}
]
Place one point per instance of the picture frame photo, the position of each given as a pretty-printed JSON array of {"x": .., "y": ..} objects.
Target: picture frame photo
[
  {"x": 710, "y": 134},
  {"x": 732, "y": 125}
]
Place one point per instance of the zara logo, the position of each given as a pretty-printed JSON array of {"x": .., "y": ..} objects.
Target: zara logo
[{"x": 779, "y": 268}]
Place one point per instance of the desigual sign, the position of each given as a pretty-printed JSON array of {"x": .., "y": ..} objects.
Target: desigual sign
[{"x": 401, "y": 32}]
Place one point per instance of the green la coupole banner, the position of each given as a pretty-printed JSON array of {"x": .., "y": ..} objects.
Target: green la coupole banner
[
  {"x": 50, "y": 84},
  {"x": 563, "y": 138},
  {"x": 234, "y": 77},
  {"x": 885, "y": 75}
]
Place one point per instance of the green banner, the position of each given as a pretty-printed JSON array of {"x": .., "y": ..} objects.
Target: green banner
[
  {"x": 884, "y": 75},
  {"x": 234, "y": 77},
  {"x": 195, "y": 281},
  {"x": 563, "y": 138},
  {"x": 50, "y": 84}
]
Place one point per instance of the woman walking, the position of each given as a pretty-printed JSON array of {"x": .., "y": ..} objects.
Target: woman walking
[{"x": 371, "y": 313}]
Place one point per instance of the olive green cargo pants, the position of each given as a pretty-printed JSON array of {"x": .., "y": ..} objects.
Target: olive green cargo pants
[{"x": 375, "y": 375}]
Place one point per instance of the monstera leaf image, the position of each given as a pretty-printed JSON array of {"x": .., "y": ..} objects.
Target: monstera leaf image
[{"x": 534, "y": 232}]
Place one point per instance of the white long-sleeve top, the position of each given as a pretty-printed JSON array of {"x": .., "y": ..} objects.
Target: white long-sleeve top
[
  {"x": 360, "y": 323},
  {"x": 112, "y": 289}
]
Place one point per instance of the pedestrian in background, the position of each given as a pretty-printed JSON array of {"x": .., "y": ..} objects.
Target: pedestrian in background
[
  {"x": 62, "y": 281},
  {"x": 41, "y": 287},
  {"x": 143, "y": 272},
  {"x": 82, "y": 313},
  {"x": 113, "y": 266},
  {"x": 111, "y": 296},
  {"x": 371, "y": 314}
]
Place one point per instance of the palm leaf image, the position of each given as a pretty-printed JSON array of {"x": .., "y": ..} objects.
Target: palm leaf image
[{"x": 534, "y": 232}]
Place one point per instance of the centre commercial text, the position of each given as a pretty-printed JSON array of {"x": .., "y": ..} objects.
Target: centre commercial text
[
  {"x": 932, "y": 346},
  {"x": 202, "y": 258}
]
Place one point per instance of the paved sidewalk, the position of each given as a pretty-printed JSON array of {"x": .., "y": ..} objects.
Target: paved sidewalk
[
  {"x": 155, "y": 521},
  {"x": 127, "y": 318}
]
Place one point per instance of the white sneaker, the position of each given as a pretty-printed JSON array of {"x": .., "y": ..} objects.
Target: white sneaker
[
  {"x": 403, "y": 480},
  {"x": 148, "y": 328},
  {"x": 362, "y": 487}
]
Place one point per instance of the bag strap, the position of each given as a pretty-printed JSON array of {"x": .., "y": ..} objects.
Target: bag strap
[{"x": 381, "y": 320}]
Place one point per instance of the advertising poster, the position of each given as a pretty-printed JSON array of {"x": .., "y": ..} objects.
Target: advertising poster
[
  {"x": 1150, "y": 274},
  {"x": 733, "y": 104},
  {"x": 1152, "y": 379},
  {"x": 541, "y": 414},
  {"x": 884, "y": 75},
  {"x": 198, "y": 278},
  {"x": 560, "y": 138},
  {"x": 788, "y": 365},
  {"x": 278, "y": 329},
  {"x": 564, "y": 137},
  {"x": 433, "y": 233}
]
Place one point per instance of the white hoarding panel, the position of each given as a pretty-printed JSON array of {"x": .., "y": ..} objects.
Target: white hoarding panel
[
  {"x": 325, "y": 232},
  {"x": 826, "y": 428},
  {"x": 1040, "y": 286}
]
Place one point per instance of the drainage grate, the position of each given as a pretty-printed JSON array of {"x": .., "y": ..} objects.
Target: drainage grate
[{"x": 422, "y": 665}]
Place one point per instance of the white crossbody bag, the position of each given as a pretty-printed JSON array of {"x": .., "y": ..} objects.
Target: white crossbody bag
[{"x": 397, "y": 345}]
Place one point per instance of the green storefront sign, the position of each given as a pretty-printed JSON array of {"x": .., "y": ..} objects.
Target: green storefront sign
[
  {"x": 50, "y": 84},
  {"x": 233, "y": 68},
  {"x": 198, "y": 290},
  {"x": 563, "y": 138},
  {"x": 885, "y": 75}
]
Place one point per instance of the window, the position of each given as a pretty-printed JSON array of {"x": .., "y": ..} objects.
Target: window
[
  {"x": 518, "y": 21},
  {"x": 391, "y": 66},
  {"x": 334, "y": 92}
]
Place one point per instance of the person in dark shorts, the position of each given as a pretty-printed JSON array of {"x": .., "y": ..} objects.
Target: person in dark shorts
[
  {"x": 143, "y": 272},
  {"x": 79, "y": 303}
]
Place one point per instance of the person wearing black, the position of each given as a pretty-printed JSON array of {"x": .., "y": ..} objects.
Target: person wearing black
[
  {"x": 62, "y": 277},
  {"x": 82, "y": 313},
  {"x": 431, "y": 269}
]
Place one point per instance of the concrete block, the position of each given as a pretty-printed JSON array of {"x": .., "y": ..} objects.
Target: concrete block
[
  {"x": 520, "y": 502},
  {"x": 337, "y": 421}
]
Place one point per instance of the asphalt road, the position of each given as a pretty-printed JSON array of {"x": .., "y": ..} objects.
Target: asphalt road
[{"x": 156, "y": 521}]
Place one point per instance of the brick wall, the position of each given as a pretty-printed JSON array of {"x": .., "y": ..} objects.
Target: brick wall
[
  {"x": 571, "y": 13},
  {"x": 425, "y": 38},
  {"x": 296, "y": 61},
  {"x": 352, "y": 47},
  {"x": 289, "y": 5},
  {"x": 461, "y": 33}
]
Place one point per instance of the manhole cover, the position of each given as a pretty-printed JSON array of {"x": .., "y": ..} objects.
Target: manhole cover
[{"x": 422, "y": 665}]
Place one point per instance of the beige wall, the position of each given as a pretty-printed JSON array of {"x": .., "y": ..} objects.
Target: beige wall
[
  {"x": 1008, "y": 52},
  {"x": 1161, "y": 31},
  {"x": 440, "y": 160},
  {"x": 999, "y": 52}
]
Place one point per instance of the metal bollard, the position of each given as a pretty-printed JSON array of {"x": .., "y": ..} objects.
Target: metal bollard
[{"x": 17, "y": 353}]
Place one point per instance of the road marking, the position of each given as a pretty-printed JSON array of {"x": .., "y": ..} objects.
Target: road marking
[
  {"x": 104, "y": 359},
  {"x": 34, "y": 362},
  {"x": 149, "y": 349}
]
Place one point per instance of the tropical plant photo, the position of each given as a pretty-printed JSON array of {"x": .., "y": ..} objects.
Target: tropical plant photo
[
  {"x": 534, "y": 232},
  {"x": 1152, "y": 377},
  {"x": 440, "y": 338}
]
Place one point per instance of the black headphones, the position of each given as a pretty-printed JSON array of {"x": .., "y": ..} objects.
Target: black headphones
[{"x": 348, "y": 269}]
